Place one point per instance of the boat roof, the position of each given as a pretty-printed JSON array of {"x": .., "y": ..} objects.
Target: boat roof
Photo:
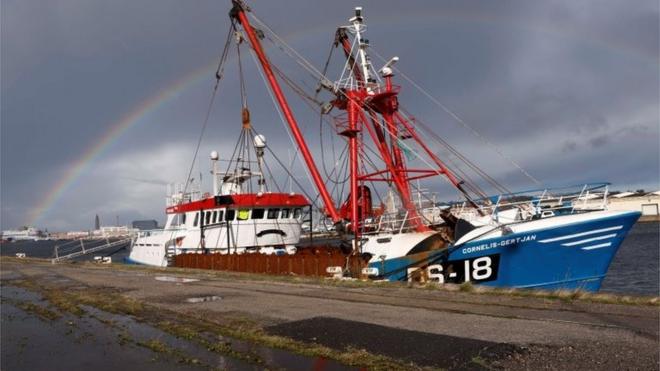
[{"x": 247, "y": 200}]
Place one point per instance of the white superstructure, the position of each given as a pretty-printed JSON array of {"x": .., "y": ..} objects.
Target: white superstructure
[{"x": 233, "y": 219}]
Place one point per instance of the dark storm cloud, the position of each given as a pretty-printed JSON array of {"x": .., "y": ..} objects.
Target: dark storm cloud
[{"x": 567, "y": 89}]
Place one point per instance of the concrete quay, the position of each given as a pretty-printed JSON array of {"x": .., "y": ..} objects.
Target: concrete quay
[{"x": 384, "y": 326}]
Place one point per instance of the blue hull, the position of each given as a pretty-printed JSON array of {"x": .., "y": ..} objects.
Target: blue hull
[{"x": 573, "y": 256}]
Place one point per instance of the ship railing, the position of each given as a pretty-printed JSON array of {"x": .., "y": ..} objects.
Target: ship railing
[
  {"x": 534, "y": 204},
  {"x": 82, "y": 246},
  {"x": 498, "y": 209},
  {"x": 392, "y": 223},
  {"x": 177, "y": 199},
  {"x": 156, "y": 232}
]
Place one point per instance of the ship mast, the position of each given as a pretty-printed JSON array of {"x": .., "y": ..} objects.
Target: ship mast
[
  {"x": 373, "y": 104},
  {"x": 238, "y": 13}
]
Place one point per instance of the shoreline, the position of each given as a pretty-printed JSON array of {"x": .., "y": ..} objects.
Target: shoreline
[{"x": 375, "y": 326}]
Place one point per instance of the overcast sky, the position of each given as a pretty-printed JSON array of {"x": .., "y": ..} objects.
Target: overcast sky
[{"x": 567, "y": 89}]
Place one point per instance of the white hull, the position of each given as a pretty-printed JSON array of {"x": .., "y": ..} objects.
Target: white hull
[{"x": 266, "y": 236}]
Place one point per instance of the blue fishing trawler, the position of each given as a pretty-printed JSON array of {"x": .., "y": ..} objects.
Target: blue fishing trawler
[{"x": 553, "y": 243}]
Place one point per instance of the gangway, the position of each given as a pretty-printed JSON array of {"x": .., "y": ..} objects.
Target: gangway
[{"x": 76, "y": 248}]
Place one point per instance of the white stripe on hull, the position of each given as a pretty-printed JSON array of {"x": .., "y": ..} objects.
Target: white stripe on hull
[
  {"x": 580, "y": 242},
  {"x": 567, "y": 237},
  {"x": 599, "y": 246}
]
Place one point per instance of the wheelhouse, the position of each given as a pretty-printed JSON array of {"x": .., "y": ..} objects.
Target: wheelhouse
[{"x": 243, "y": 208}]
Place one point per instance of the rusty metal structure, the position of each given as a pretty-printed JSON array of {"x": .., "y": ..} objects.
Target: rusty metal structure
[{"x": 313, "y": 264}]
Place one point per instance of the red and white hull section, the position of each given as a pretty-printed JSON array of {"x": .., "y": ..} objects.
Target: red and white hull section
[{"x": 237, "y": 224}]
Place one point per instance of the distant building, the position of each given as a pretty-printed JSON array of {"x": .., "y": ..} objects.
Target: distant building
[
  {"x": 77, "y": 234},
  {"x": 145, "y": 225},
  {"x": 112, "y": 231},
  {"x": 97, "y": 223},
  {"x": 646, "y": 203},
  {"x": 25, "y": 233}
]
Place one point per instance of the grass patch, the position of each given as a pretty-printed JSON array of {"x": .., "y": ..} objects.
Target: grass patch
[
  {"x": 466, "y": 287},
  {"x": 37, "y": 310},
  {"x": 572, "y": 295},
  {"x": 158, "y": 346},
  {"x": 480, "y": 363},
  {"x": 155, "y": 345}
]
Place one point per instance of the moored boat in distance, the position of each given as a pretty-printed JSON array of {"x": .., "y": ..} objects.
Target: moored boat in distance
[
  {"x": 23, "y": 234},
  {"x": 546, "y": 239}
]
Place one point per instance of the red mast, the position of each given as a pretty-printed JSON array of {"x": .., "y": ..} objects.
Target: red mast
[
  {"x": 364, "y": 94},
  {"x": 239, "y": 13}
]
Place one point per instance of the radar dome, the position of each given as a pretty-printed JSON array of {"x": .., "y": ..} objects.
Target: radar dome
[{"x": 214, "y": 155}]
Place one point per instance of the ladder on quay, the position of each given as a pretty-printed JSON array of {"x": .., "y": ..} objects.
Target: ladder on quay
[{"x": 76, "y": 248}]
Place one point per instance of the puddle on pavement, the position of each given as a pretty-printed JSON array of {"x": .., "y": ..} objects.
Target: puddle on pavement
[
  {"x": 9, "y": 275},
  {"x": 203, "y": 299},
  {"x": 175, "y": 279},
  {"x": 106, "y": 341}
]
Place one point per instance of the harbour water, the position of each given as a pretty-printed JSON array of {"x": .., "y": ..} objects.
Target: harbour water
[{"x": 635, "y": 269}]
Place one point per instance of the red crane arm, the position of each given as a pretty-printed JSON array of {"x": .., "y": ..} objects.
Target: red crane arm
[{"x": 239, "y": 12}]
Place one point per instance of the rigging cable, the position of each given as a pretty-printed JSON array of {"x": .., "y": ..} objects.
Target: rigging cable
[
  {"x": 218, "y": 76},
  {"x": 461, "y": 121},
  {"x": 438, "y": 139},
  {"x": 310, "y": 68}
]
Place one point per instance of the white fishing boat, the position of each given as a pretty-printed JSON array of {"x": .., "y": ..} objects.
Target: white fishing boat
[{"x": 241, "y": 215}]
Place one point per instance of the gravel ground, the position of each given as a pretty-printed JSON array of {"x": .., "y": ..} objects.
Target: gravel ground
[{"x": 422, "y": 348}]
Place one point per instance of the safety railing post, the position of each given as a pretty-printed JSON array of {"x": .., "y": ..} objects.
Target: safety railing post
[{"x": 403, "y": 223}]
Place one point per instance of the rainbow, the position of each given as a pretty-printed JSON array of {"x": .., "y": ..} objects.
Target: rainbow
[
  {"x": 129, "y": 120},
  {"x": 171, "y": 91}
]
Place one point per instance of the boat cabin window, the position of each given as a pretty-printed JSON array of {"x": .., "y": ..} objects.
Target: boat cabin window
[
  {"x": 285, "y": 213},
  {"x": 196, "y": 220},
  {"x": 229, "y": 216},
  {"x": 175, "y": 220},
  {"x": 297, "y": 213},
  {"x": 215, "y": 216},
  {"x": 273, "y": 213},
  {"x": 258, "y": 213},
  {"x": 243, "y": 214},
  {"x": 208, "y": 218},
  {"x": 221, "y": 213}
]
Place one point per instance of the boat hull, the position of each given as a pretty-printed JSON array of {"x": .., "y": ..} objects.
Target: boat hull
[
  {"x": 154, "y": 247},
  {"x": 572, "y": 255}
]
